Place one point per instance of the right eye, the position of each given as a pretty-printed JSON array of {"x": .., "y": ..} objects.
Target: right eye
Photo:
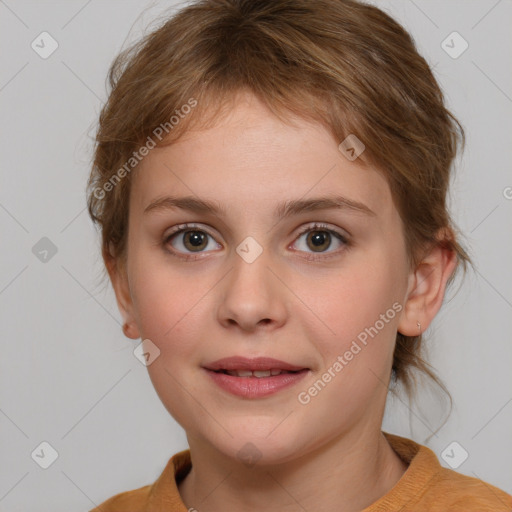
[{"x": 190, "y": 239}]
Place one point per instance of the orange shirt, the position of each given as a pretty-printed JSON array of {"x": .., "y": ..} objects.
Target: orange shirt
[{"x": 426, "y": 486}]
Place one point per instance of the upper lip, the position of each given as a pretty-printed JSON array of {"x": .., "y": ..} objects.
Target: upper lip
[{"x": 256, "y": 363}]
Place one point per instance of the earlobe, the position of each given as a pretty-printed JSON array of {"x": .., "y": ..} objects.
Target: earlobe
[
  {"x": 119, "y": 280},
  {"x": 427, "y": 285},
  {"x": 131, "y": 331}
]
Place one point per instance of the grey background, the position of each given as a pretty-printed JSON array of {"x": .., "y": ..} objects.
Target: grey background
[{"x": 68, "y": 376}]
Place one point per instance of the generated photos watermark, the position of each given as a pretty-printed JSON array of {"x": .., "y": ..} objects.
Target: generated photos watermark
[
  {"x": 159, "y": 133},
  {"x": 304, "y": 397}
]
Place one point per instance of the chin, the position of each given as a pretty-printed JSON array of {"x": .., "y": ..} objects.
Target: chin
[{"x": 252, "y": 445}]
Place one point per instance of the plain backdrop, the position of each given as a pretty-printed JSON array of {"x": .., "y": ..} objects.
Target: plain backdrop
[{"x": 68, "y": 376}]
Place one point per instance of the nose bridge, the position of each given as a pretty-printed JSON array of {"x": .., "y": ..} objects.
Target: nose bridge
[
  {"x": 251, "y": 292},
  {"x": 250, "y": 272}
]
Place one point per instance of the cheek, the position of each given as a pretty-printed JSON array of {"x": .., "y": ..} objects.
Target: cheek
[
  {"x": 171, "y": 315},
  {"x": 171, "y": 308},
  {"x": 362, "y": 310},
  {"x": 157, "y": 298},
  {"x": 356, "y": 314}
]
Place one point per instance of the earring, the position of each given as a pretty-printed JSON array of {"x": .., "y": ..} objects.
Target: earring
[{"x": 419, "y": 327}]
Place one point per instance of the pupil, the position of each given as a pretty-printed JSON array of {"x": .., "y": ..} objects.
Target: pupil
[
  {"x": 320, "y": 240},
  {"x": 195, "y": 239}
]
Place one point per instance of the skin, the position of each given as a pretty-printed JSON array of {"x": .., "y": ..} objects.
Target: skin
[{"x": 329, "y": 454}]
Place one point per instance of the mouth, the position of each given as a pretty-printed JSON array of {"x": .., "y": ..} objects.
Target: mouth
[
  {"x": 254, "y": 378},
  {"x": 259, "y": 374},
  {"x": 255, "y": 367}
]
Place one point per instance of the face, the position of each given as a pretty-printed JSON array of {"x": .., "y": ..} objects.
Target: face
[{"x": 302, "y": 260}]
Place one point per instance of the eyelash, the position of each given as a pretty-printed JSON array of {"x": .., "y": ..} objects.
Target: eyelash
[{"x": 182, "y": 228}]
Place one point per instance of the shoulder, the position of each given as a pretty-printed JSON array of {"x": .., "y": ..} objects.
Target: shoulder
[
  {"x": 134, "y": 501},
  {"x": 163, "y": 494},
  {"x": 466, "y": 493},
  {"x": 429, "y": 487}
]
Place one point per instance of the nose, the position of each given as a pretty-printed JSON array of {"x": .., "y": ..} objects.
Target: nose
[{"x": 252, "y": 297}]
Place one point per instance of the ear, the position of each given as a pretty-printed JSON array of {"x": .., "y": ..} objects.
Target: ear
[
  {"x": 427, "y": 285},
  {"x": 119, "y": 278}
]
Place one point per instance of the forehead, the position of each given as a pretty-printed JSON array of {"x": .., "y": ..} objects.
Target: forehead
[{"x": 250, "y": 160}]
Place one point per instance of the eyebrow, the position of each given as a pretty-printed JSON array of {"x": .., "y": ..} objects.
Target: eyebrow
[{"x": 283, "y": 210}]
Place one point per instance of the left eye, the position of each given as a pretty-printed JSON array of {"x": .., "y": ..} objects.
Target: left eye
[{"x": 320, "y": 239}]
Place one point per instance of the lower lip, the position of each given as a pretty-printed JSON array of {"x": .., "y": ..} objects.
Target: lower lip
[{"x": 256, "y": 387}]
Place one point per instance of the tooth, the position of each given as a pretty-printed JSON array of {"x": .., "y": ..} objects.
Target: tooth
[
  {"x": 243, "y": 373},
  {"x": 275, "y": 371},
  {"x": 261, "y": 373}
]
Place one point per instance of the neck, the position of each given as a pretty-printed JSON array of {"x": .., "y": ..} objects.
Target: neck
[{"x": 349, "y": 473}]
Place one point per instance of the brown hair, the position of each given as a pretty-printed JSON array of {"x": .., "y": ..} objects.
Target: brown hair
[{"x": 342, "y": 63}]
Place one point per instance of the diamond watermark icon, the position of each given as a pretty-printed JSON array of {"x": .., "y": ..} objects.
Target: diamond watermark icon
[
  {"x": 454, "y": 45},
  {"x": 44, "y": 45},
  {"x": 44, "y": 455},
  {"x": 249, "y": 454},
  {"x": 44, "y": 250},
  {"x": 352, "y": 147},
  {"x": 146, "y": 352},
  {"x": 454, "y": 455},
  {"x": 249, "y": 249}
]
